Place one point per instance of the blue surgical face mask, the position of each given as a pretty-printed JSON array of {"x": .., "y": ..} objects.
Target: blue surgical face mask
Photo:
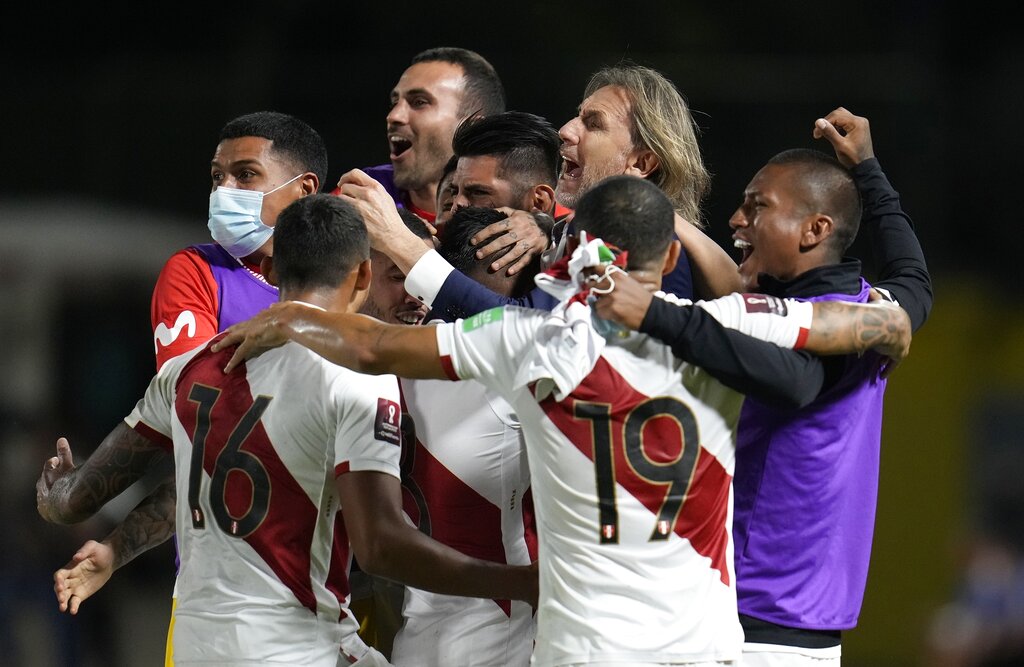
[{"x": 235, "y": 221}]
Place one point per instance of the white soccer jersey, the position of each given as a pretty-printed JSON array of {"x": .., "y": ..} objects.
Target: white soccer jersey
[
  {"x": 466, "y": 484},
  {"x": 631, "y": 475},
  {"x": 256, "y": 455}
]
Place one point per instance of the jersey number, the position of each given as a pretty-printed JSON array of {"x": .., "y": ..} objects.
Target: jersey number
[
  {"x": 675, "y": 474},
  {"x": 230, "y": 458}
]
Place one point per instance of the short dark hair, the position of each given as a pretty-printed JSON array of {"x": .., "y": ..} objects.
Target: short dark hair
[
  {"x": 450, "y": 166},
  {"x": 292, "y": 139},
  {"x": 444, "y": 187},
  {"x": 526, "y": 146},
  {"x": 318, "y": 240},
  {"x": 483, "y": 92},
  {"x": 414, "y": 223},
  {"x": 464, "y": 223},
  {"x": 829, "y": 188},
  {"x": 630, "y": 213},
  {"x": 461, "y": 253}
]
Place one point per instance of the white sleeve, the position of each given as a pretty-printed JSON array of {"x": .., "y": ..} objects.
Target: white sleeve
[
  {"x": 486, "y": 347},
  {"x": 784, "y": 322},
  {"x": 426, "y": 277},
  {"x": 156, "y": 408},
  {"x": 367, "y": 413}
]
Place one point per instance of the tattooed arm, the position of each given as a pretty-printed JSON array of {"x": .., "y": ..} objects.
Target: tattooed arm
[
  {"x": 66, "y": 493},
  {"x": 841, "y": 328},
  {"x": 149, "y": 525},
  {"x": 837, "y": 327}
]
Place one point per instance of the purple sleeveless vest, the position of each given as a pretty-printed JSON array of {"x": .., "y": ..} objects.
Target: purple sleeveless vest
[
  {"x": 240, "y": 295},
  {"x": 806, "y": 486}
]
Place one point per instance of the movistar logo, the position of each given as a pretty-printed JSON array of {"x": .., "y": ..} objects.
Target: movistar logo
[{"x": 163, "y": 335}]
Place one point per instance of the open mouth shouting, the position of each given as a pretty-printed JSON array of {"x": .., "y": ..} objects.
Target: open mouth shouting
[
  {"x": 398, "y": 145},
  {"x": 747, "y": 269},
  {"x": 745, "y": 248},
  {"x": 570, "y": 170}
]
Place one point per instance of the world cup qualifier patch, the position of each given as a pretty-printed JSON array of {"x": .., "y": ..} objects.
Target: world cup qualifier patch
[
  {"x": 762, "y": 303},
  {"x": 388, "y": 425}
]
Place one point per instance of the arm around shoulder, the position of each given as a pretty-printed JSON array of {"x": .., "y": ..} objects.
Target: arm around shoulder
[{"x": 714, "y": 271}]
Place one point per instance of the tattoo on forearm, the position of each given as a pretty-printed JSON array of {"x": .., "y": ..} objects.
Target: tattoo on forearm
[
  {"x": 149, "y": 525},
  {"x": 881, "y": 327},
  {"x": 121, "y": 460}
]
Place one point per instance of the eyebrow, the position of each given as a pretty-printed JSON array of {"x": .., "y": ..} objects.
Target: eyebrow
[
  {"x": 477, "y": 188},
  {"x": 592, "y": 114},
  {"x": 237, "y": 164},
  {"x": 412, "y": 91}
]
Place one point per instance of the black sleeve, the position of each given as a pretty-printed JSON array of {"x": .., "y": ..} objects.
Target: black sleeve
[
  {"x": 775, "y": 375},
  {"x": 894, "y": 244}
]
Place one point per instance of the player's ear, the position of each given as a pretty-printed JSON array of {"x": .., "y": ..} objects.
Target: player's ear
[
  {"x": 267, "y": 269},
  {"x": 310, "y": 183},
  {"x": 363, "y": 275},
  {"x": 816, "y": 230},
  {"x": 642, "y": 163},
  {"x": 542, "y": 198},
  {"x": 671, "y": 257}
]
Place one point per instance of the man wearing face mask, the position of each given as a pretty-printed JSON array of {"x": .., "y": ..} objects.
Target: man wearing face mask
[{"x": 263, "y": 162}]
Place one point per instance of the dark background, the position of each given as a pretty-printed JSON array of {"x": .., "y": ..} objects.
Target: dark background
[
  {"x": 125, "y": 105},
  {"x": 110, "y": 115}
]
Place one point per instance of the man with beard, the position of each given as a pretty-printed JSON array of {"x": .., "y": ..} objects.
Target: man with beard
[{"x": 441, "y": 87}]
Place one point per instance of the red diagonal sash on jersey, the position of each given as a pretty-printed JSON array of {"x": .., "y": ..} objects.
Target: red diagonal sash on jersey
[
  {"x": 261, "y": 502},
  {"x": 447, "y": 508},
  {"x": 655, "y": 456}
]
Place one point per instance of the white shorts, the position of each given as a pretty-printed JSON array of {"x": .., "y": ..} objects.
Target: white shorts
[
  {"x": 728, "y": 663},
  {"x": 774, "y": 655},
  {"x": 449, "y": 630}
]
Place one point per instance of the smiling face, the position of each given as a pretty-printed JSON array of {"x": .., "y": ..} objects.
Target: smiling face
[
  {"x": 769, "y": 225},
  {"x": 595, "y": 144},
  {"x": 425, "y": 110},
  {"x": 386, "y": 299}
]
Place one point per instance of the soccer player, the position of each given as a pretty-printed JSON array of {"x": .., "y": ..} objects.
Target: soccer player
[
  {"x": 632, "y": 121},
  {"x": 441, "y": 87},
  {"x": 467, "y": 485},
  {"x": 266, "y": 458}
]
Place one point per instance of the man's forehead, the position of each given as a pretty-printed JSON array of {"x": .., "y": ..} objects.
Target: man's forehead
[
  {"x": 250, "y": 150},
  {"x": 779, "y": 182},
  {"x": 381, "y": 262},
  {"x": 770, "y": 177},
  {"x": 435, "y": 77},
  {"x": 610, "y": 101},
  {"x": 476, "y": 168}
]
